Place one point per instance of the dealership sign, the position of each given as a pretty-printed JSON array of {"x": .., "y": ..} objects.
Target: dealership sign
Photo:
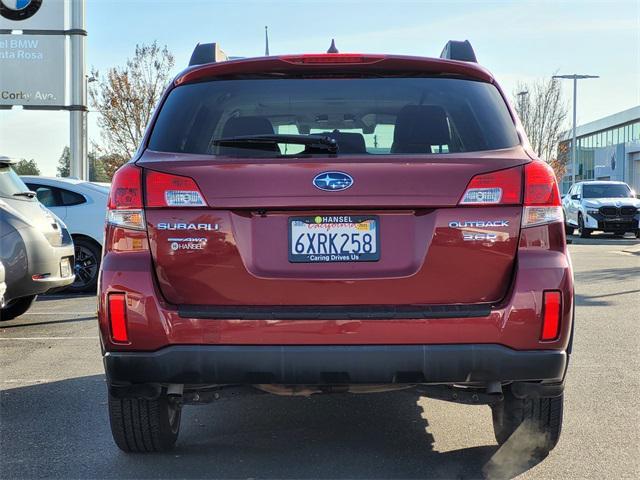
[
  {"x": 33, "y": 70},
  {"x": 32, "y": 14},
  {"x": 33, "y": 64}
]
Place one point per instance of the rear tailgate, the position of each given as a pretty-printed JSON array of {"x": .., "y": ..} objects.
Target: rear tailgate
[{"x": 236, "y": 250}]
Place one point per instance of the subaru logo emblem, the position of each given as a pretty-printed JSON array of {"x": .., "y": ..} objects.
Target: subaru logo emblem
[{"x": 332, "y": 181}]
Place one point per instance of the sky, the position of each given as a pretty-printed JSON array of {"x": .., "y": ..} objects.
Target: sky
[{"x": 518, "y": 41}]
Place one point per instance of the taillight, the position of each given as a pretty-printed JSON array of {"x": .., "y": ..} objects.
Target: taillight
[
  {"x": 541, "y": 195},
  {"x": 166, "y": 190},
  {"x": 551, "y": 312},
  {"x": 503, "y": 187},
  {"x": 125, "y": 199},
  {"x": 117, "y": 311}
]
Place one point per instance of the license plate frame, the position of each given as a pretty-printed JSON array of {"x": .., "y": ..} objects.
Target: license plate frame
[{"x": 340, "y": 256}]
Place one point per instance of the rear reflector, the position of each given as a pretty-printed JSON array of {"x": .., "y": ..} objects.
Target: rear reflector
[
  {"x": 551, "y": 306},
  {"x": 165, "y": 190},
  {"x": 118, "y": 317},
  {"x": 503, "y": 187}
]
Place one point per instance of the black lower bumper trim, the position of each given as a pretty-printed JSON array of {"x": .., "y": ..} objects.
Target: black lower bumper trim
[
  {"x": 621, "y": 225},
  {"x": 332, "y": 312},
  {"x": 335, "y": 364}
]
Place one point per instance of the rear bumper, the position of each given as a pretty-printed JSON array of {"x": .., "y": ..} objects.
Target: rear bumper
[
  {"x": 335, "y": 364},
  {"x": 515, "y": 322}
]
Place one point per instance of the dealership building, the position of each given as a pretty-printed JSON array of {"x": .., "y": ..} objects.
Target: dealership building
[{"x": 607, "y": 149}]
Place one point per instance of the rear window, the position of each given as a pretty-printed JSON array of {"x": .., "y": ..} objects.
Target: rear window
[{"x": 370, "y": 116}]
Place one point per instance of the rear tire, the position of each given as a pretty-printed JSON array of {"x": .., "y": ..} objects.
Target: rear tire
[
  {"x": 142, "y": 426},
  {"x": 17, "y": 307},
  {"x": 584, "y": 232},
  {"x": 542, "y": 417},
  {"x": 568, "y": 229}
]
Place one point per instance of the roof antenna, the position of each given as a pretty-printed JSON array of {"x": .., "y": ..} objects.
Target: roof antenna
[
  {"x": 266, "y": 41},
  {"x": 332, "y": 48}
]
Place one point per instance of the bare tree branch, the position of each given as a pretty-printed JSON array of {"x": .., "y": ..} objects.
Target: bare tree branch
[
  {"x": 543, "y": 112},
  {"x": 126, "y": 96}
]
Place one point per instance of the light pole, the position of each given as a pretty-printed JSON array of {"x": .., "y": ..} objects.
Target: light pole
[
  {"x": 574, "y": 148},
  {"x": 521, "y": 100}
]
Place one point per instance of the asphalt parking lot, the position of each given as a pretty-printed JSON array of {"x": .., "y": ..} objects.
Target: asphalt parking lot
[{"x": 54, "y": 424}]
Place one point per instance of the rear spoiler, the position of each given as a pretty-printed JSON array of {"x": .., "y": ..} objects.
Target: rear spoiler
[
  {"x": 457, "y": 50},
  {"x": 4, "y": 160},
  {"x": 207, "y": 53}
]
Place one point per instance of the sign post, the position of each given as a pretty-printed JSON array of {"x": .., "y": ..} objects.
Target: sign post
[
  {"x": 33, "y": 64},
  {"x": 78, "y": 125}
]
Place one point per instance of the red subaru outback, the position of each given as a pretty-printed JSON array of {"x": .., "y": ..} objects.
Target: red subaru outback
[{"x": 335, "y": 223}]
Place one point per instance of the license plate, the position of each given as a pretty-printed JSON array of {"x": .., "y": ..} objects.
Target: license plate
[
  {"x": 334, "y": 238},
  {"x": 65, "y": 268}
]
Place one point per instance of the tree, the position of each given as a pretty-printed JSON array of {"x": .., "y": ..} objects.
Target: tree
[
  {"x": 64, "y": 163},
  {"x": 26, "y": 167},
  {"x": 543, "y": 112},
  {"x": 109, "y": 163},
  {"x": 127, "y": 95},
  {"x": 559, "y": 167},
  {"x": 96, "y": 168},
  {"x": 101, "y": 167}
]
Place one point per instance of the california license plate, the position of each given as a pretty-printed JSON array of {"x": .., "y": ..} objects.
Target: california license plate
[{"x": 334, "y": 238}]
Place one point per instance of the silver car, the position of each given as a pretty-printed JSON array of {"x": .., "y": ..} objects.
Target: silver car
[
  {"x": 35, "y": 246},
  {"x": 3, "y": 286}
]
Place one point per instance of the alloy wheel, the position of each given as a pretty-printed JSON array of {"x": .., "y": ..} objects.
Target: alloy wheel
[{"x": 86, "y": 266}]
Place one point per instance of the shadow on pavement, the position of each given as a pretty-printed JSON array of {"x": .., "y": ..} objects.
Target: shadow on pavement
[
  {"x": 61, "y": 430},
  {"x": 63, "y": 296},
  {"x": 603, "y": 239},
  {"x": 608, "y": 274},
  {"x": 4, "y": 326}
]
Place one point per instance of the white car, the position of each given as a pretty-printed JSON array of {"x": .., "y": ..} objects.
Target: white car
[
  {"x": 82, "y": 206},
  {"x": 606, "y": 206}
]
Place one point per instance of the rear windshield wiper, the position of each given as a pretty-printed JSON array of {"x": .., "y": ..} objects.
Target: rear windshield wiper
[
  {"x": 28, "y": 194},
  {"x": 314, "y": 142}
]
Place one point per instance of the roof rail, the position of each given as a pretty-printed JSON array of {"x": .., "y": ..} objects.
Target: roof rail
[
  {"x": 207, "y": 53},
  {"x": 458, "y": 50}
]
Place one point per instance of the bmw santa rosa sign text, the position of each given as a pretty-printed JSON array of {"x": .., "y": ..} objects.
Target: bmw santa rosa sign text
[
  {"x": 33, "y": 64},
  {"x": 33, "y": 68}
]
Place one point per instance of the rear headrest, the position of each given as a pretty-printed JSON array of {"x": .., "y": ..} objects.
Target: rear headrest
[
  {"x": 238, "y": 126},
  {"x": 349, "y": 142},
  {"x": 418, "y": 127}
]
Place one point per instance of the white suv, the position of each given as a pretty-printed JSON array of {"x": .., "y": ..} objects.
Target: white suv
[{"x": 601, "y": 205}]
